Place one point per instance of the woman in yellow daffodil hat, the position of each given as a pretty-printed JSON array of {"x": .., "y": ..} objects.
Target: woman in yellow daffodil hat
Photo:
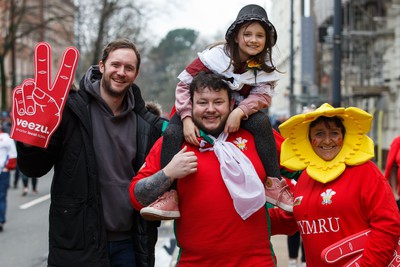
[
  {"x": 297, "y": 152},
  {"x": 340, "y": 192}
]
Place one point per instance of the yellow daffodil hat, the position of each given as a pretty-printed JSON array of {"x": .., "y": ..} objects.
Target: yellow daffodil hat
[{"x": 297, "y": 152}]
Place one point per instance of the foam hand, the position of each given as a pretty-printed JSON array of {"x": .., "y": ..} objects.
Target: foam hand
[
  {"x": 352, "y": 247},
  {"x": 38, "y": 103}
]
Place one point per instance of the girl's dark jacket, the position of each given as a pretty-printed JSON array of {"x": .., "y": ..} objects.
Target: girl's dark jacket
[{"x": 77, "y": 235}]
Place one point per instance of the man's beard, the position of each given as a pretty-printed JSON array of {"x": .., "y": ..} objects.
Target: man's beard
[
  {"x": 110, "y": 91},
  {"x": 214, "y": 132}
]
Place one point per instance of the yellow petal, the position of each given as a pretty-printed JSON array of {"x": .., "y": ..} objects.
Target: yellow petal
[{"x": 321, "y": 176}]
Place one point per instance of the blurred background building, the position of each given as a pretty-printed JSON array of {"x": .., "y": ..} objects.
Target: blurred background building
[{"x": 355, "y": 62}]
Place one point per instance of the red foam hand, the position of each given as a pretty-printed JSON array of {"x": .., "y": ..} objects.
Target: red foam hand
[
  {"x": 354, "y": 246},
  {"x": 38, "y": 103},
  {"x": 351, "y": 245}
]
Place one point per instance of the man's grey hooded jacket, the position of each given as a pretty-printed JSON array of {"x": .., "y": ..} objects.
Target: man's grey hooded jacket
[{"x": 77, "y": 235}]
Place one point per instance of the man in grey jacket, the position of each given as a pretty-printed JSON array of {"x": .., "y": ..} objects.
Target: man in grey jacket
[{"x": 101, "y": 142}]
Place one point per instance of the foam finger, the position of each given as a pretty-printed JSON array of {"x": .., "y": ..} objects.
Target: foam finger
[
  {"x": 43, "y": 65},
  {"x": 66, "y": 73},
  {"x": 44, "y": 100},
  {"x": 27, "y": 100},
  {"x": 351, "y": 245},
  {"x": 354, "y": 262},
  {"x": 18, "y": 101}
]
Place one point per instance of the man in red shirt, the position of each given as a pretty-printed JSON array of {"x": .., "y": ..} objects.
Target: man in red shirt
[{"x": 223, "y": 219}]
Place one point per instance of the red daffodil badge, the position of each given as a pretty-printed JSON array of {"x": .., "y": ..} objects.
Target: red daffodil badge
[{"x": 297, "y": 152}]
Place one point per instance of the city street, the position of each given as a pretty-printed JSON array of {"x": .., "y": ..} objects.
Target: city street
[{"x": 24, "y": 242}]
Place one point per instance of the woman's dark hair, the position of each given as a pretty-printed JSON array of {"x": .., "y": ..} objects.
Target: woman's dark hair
[{"x": 326, "y": 120}]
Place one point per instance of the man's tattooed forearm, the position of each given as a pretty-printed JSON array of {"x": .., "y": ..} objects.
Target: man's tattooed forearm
[{"x": 149, "y": 189}]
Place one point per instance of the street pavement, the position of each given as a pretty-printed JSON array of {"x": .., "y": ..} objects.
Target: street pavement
[
  {"x": 280, "y": 247},
  {"x": 24, "y": 242}
]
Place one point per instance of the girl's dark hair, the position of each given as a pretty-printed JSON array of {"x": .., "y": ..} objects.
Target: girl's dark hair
[
  {"x": 232, "y": 49},
  {"x": 213, "y": 81},
  {"x": 326, "y": 120},
  {"x": 118, "y": 44}
]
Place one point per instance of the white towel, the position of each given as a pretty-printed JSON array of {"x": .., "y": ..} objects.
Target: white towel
[{"x": 240, "y": 177}]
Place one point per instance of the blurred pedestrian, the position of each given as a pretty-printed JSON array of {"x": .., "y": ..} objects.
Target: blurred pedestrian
[
  {"x": 392, "y": 170},
  {"x": 294, "y": 246},
  {"x": 6, "y": 122},
  {"x": 8, "y": 162},
  {"x": 25, "y": 182},
  {"x": 17, "y": 176}
]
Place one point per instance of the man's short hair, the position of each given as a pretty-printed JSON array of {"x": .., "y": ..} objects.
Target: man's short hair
[
  {"x": 213, "y": 81},
  {"x": 119, "y": 44}
]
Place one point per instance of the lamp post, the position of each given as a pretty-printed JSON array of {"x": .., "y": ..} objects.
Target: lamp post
[
  {"x": 291, "y": 71},
  {"x": 337, "y": 41}
]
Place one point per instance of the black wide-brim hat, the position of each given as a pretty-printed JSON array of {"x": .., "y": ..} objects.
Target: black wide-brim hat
[{"x": 252, "y": 13}]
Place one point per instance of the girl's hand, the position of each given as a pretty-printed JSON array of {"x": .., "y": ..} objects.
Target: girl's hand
[
  {"x": 233, "y": 122},
  {"x": 190, "y": 131}
]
